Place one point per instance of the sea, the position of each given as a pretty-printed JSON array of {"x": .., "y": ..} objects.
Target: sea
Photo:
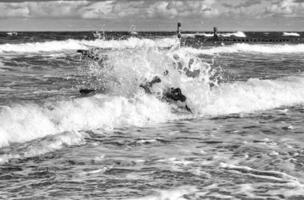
[{"x": 243, "y": 137}]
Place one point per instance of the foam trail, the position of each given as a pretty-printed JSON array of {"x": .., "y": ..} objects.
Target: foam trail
[
  {"x": 271, "y": 175},
  {"x": 291, "y": 34},
  {"x": 250, "y": 48},
  {"x": 71, "y": 44},
  {"x": 44, "y": 145}
]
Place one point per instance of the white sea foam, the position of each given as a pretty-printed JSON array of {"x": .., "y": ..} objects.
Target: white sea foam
[
  {"x": 249, "y": 96},
  {"x": 291, "y": 34},
  {"x": 20, "y": 123},
  {"x": 236, "y": 34},
  {"x": 198, "y": 34},
  {"x": 250, "y": 48},
  {"x": 72, "y": 44},
  {"x": 226, "y": 98},
  {"x": 126, "y": 105}
]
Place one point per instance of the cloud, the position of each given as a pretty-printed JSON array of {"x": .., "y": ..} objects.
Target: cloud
[
  {"x": 37, "y": 9},
  {"x": 180, "y": 8},
  {"x": 13, "y": 10},
  {"x": 257, "y": 9},
  {"x": 111, "y": 9},
  {"x": 287, "y": 8},
  {"x": 97, "y": 10},
  {"x": 242, "y": 4},
  {"x": 243, "y": 8}
]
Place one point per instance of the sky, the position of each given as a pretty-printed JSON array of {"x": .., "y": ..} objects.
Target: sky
[{"x": 151, "y": 15}]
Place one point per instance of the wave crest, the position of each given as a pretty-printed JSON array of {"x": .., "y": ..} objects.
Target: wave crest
[
  {"x": 249, "y": 48},
  {"x": 71, "y": 44}
]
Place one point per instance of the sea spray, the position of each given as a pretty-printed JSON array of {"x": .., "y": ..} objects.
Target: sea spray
[
  {"x": 201, "y": 82},
  {"x": 124, "y": 103}
]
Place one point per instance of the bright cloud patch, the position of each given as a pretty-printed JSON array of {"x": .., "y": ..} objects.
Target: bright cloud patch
[
  {"x": 181, "y": 8},
  {"x": 288, "y": 8},
  {"x": 41, "y": 9},
  {"x": 111, "y": 9},
  {"x": 13, "y": 10}
]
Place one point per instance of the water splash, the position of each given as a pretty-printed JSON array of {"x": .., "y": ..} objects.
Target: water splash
[{"x": 119, "y": 77}]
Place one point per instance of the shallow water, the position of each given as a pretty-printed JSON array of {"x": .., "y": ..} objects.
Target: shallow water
[{"x": 243, "y": 139}]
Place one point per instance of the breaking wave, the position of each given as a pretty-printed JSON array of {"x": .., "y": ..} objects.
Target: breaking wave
[
  {"x": 72, "y": 44},
  {"x": 198, "y": 34},
  {"x": 21, "y": 123},
  {"x": 125, "y": 104},
  {"x": 250, "y": 96},
  {"x": 291, "y": 34},
  {"x": 252, "y": 48},
  {"x": 236, "y": 34}
]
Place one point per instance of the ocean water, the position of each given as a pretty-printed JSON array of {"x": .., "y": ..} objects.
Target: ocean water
[{"x": 243, "y": 139}]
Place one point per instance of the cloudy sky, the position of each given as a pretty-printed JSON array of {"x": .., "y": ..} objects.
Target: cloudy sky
[{"x": 155, "y": 15}]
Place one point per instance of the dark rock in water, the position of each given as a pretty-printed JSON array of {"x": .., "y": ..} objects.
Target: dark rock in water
[{"x": 86, "y": 91}]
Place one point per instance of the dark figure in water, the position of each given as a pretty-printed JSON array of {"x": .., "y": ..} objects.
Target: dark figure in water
[
  {"x": 148, "y": 85},
  {"x": 175, "y": 94},
  {"x": 87, "y": 91},
  {"x": 171, "y": 94}
]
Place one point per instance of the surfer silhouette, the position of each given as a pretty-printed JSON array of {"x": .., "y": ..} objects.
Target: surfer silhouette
[{"x": 170, "y": 94}]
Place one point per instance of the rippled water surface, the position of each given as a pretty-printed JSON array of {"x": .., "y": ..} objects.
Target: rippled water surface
[{"x": 242, "y": 140}]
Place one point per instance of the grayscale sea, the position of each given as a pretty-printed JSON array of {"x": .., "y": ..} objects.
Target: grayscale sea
[{"x": 243, "y": 139}]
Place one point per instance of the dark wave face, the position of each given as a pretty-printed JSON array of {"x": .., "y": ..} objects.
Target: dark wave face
[{"x": 236, "y": 133}]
